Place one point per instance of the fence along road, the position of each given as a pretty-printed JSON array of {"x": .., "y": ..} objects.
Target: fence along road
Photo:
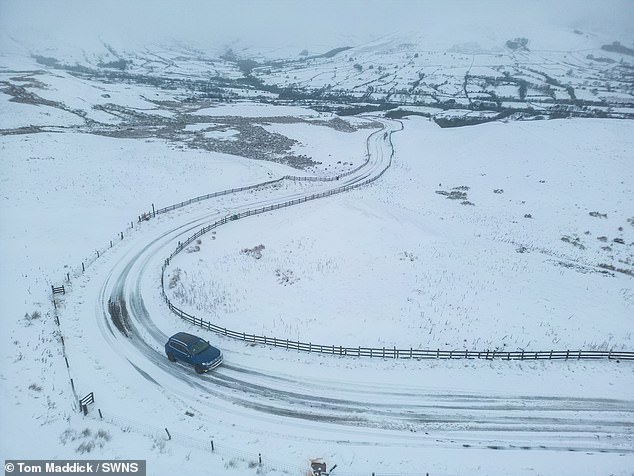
[
  {"x": 294, "y": 405},
  {"x": 372, "y": 169},
  {"x": 294, "y": 178}
]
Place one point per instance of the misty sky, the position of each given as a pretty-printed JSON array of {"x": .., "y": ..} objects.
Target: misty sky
[{"x": 316, "y": 25}]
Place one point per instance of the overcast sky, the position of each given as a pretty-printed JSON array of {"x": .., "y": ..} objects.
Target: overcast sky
[{"x": 303, "y": 23}]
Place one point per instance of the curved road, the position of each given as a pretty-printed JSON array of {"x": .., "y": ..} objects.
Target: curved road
[{"x": 290, "y": 404}]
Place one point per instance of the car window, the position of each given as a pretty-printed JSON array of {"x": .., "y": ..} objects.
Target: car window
[
  {"x": 179, "y": 347},
  {"x": 199, "y": 347}
]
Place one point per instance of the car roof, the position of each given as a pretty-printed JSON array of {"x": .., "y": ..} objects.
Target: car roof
[{"x": 186, "y": 338}]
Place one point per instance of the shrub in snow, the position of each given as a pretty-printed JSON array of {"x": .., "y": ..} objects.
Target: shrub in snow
[
  {"x": 34, "y": 315},
  {"x": 85, "y": 447},
  {"x": 573, "y": 241},
  {"x": 285, "y": 276},
  {"x": 255, "y": 252},
  {"x": 174, "y": 280}
]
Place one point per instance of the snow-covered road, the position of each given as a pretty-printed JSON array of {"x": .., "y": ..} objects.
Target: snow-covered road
[{"x": 313, "y": 398}]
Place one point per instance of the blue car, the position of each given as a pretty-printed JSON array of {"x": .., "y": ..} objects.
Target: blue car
[{"x": 193, "y": 350}]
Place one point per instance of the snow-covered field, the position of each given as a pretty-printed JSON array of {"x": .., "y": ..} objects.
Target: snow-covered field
[
  {"x": 510, "y": 235},
  {"x": 398, "y": 264},
  {"x": 376, "y": 242}
]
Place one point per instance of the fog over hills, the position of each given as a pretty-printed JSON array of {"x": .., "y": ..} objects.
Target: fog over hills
[{"x": 286, "y": 27}]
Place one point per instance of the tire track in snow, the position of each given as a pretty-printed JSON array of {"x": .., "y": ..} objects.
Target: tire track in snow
[{"x": 357, "y": 407}]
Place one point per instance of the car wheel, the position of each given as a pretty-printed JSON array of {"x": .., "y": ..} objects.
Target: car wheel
[
  {"x": 171, "y": 357},
  {"x": 198, "y": 369}
]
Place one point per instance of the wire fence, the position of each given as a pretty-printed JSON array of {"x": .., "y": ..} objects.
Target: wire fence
[{"x": 400, "y": 353}]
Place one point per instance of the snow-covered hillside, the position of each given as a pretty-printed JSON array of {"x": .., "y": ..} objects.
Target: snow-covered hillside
[
  {"x": 484, "y": 246},
  {"x": 515, "y": 233}
]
